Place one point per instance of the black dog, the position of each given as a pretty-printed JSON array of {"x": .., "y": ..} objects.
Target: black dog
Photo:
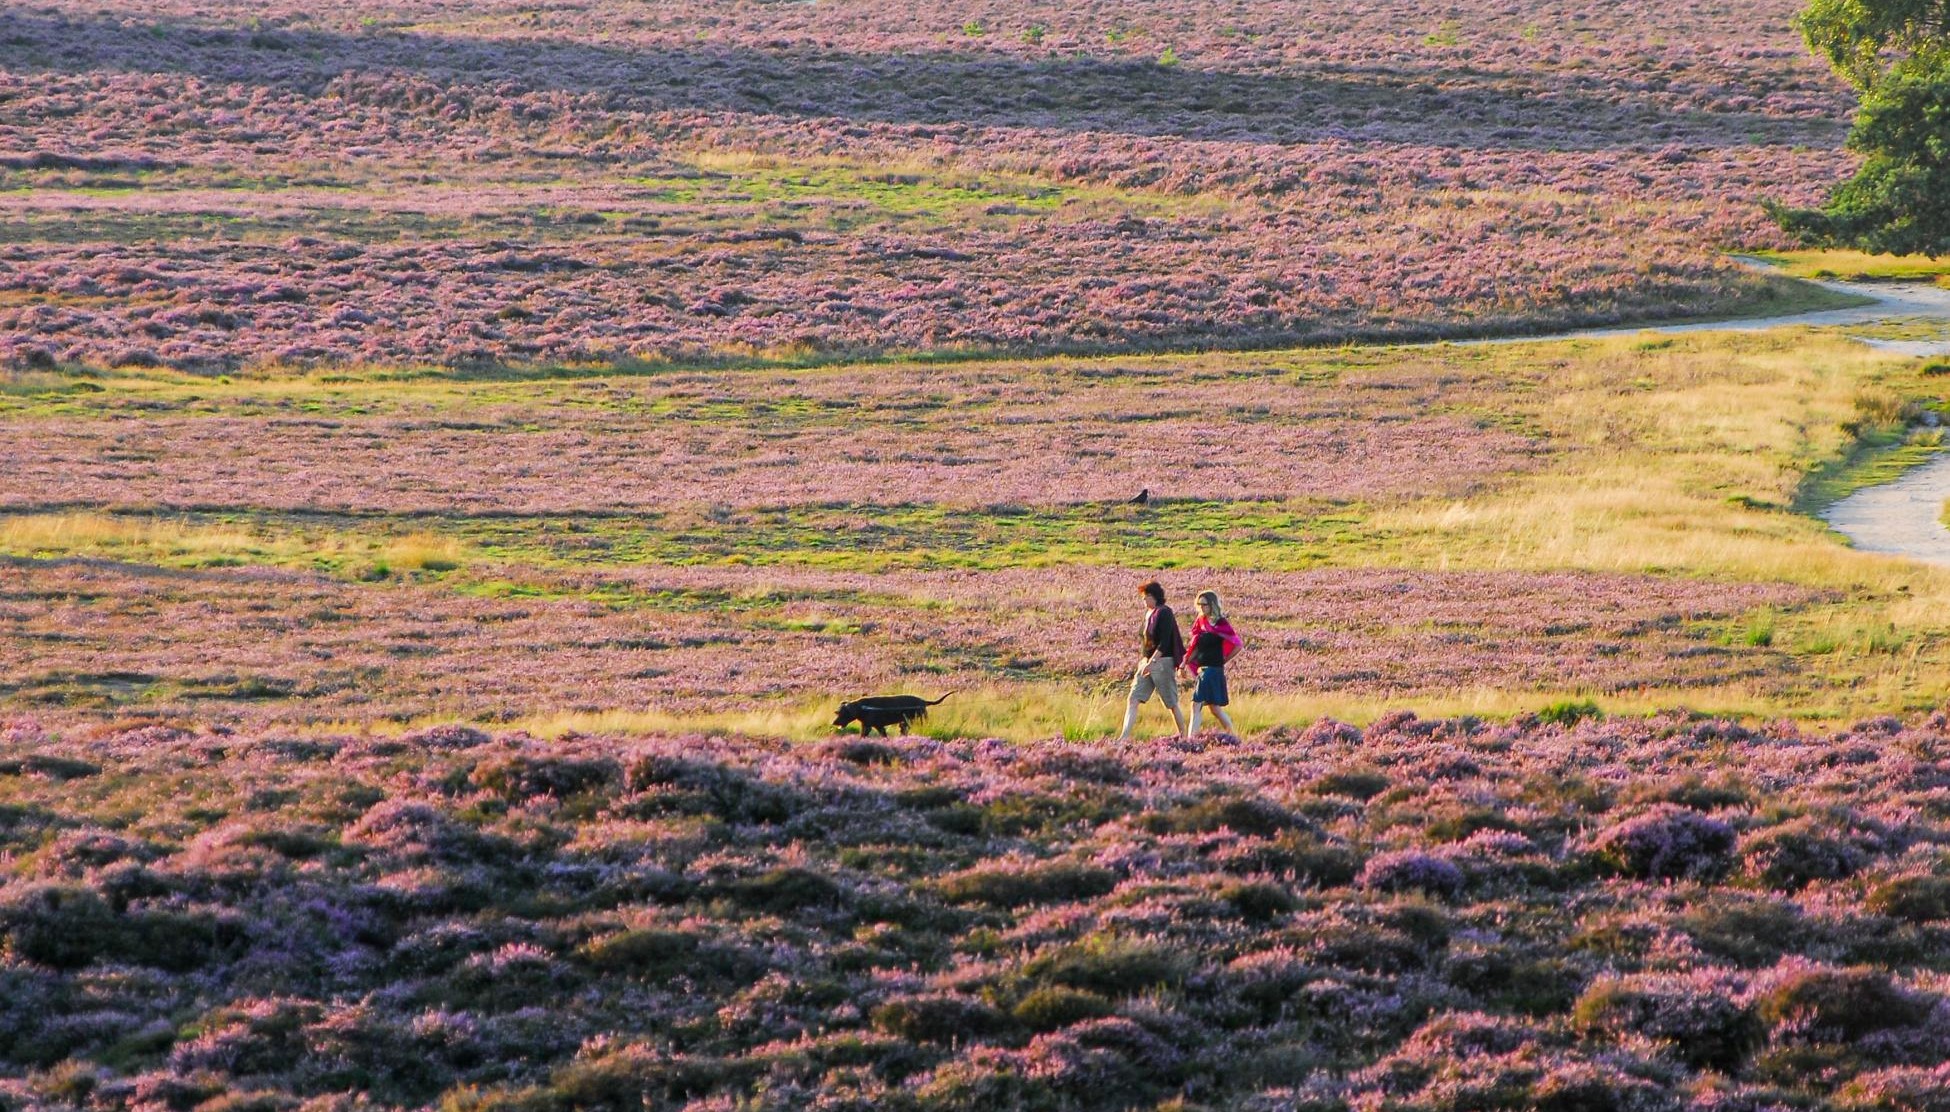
[{"x": 881, "y": 711}]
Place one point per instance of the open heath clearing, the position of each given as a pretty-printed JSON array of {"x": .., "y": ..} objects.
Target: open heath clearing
[{"x": 1486, "y": 529}]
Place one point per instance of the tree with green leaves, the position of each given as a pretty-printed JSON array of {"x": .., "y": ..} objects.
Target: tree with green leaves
[{"x": 1897, "y": 55}]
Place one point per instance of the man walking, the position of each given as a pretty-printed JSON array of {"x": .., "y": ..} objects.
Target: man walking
[{"x": 1164, "y": 649}]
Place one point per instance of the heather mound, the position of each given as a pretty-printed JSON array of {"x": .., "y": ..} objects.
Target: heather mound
[{"x": 1645, "y": 913}]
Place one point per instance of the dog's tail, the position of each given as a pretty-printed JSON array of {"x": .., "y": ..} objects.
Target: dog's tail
[{"x": 938, "y": 702}]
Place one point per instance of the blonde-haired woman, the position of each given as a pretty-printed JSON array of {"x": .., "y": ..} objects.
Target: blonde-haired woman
[{"x": 1213, "y": 641}]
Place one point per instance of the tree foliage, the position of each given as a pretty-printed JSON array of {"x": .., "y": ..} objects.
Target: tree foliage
[{"x": 1897, "y": 54}]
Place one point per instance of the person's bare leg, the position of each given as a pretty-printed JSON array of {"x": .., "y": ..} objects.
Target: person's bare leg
[
  {"x": 1226, "y": 720},
  {"x": 1178, "y": 712},
  {"x": 1197, "y": 710},
  {"x": 1130, "y": 720}
]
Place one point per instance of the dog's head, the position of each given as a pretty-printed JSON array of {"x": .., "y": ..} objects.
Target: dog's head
[{"x": 848, "y": 714}]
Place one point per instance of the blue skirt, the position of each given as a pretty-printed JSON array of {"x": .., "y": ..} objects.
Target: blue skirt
[{"x": 1211, "y": 688}]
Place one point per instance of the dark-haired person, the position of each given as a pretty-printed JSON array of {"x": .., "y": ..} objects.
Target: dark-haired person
[{"x": 1157, "y": 670}]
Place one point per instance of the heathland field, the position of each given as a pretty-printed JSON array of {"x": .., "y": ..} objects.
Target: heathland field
[
  {"x": 1484, "y": 529},
  {"x": 455, "y": 454}
]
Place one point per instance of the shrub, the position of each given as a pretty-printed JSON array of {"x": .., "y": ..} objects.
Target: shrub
[
  {"x": 447, "y": 736},
  {"x": 181, "y": 941},
  {"x": 633, "y": 1077},
  {"x": 1700, "y": 1018},
  {"x": 983, "y": 1081},
  {"x": 1595, "y": 1087},
  {"x": 1746, "y": 931},
  {"x": 859, "y": 751},
  {"x": 1918, "y": 898},
  {"x": 1848, "y": 1003},
  {"x": 62, "y": 925},
  {"x": 649, "y": 952},
  {"x": 1305, "y": 856},
  {"x": 1014, "y": 885},
  {"x": 1352, "y": 783},
  {"x": 1666, "y": 843},
  {"x": 1110, "y": 964},
  {"x": 1239, "y": 814},
  {"x": 1412, "y": 870},
  {"x": 55, "y": 768},
  {"x": 785, "y": 890},
  {"x": 1792, "y": 856},
  {"x": 74, "y": 853},
  {"x": 1904, "y": 1089},
  {"x": 1047, "y": 1009},
  {"x": 518, "y": 778},
  {"x": 1259, "y": 901},
  {"x": 937, "y": 1019},
  {"x": 1512, "y": 981}
]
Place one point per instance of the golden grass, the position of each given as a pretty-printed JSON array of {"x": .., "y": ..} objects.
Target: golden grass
[
  {"x": 183, "y": 542},
  {"x": 1028, "y": 712},
  {"x": 94, "y": 534},
  {"x": 1678, "y": 458},
  {"x": 1857, "y": 265},
  {"x": 1688, "y": 459}
]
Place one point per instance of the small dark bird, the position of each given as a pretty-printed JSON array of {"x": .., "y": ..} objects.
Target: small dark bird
[{"x": 1143, "y": 496}]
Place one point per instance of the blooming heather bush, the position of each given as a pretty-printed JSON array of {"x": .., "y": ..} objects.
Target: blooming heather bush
[
  {"x": 1841, "y": 1003},
  {"x": 1898, "y": 1090},
  {"x": 1014, "y": 884},
  {"x": 722, "y": 922},
  {"x": 1702, "y": 1017},
  {"x": 1919, "y": 898},
  {"x": 1666, "y": 843},
  {"x": 1411, "y": 870},
  {"x": 1794, "y": 855}
]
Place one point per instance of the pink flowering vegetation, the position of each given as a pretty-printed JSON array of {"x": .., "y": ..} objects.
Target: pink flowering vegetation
[
  {"x": 1014, "y": 434},
  {"x": 488, "y": 183},
  {"x": 1419, "y": 914},
  {"x": 271, "y": 645}
]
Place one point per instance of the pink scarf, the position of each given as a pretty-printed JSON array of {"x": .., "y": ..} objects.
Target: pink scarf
[{"x": 1231, "y": 641}]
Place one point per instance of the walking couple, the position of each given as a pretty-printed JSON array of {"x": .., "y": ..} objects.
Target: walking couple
[{"x": 1213, "y": 643}]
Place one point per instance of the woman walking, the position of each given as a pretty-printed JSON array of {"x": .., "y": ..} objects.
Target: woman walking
[{"x": 1213, "y": 641}]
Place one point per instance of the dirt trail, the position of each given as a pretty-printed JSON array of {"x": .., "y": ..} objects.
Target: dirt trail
[
  {"x": 1888, "y": 301},
  {"x": 1899, "y": 518}
]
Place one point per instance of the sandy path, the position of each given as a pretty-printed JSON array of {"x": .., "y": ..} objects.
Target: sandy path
[
  {"x": 1899, "y": 518},
  {"x": 1888, "y": 301}
]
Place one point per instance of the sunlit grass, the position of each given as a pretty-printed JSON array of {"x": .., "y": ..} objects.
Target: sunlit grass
[
  {"x": 1025, "y": 712},
  {"x": 1858, "y": 265},
  {"x": 183, "y": 542}
]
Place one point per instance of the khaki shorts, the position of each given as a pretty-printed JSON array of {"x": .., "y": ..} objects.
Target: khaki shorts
[{"x": 1161, "y": 675}]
